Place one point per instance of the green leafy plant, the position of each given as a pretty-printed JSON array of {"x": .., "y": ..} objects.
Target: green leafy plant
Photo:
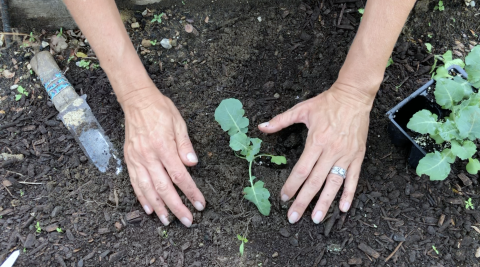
[
  {"x": 229, "y": 114},
  {"x": 22, "y": 92},
  {"x": 242, "y": 246},
  {"x": 84, "y": 64},
  {"x": 59, "y": 230},
  {"x": 389, "y": 62},
  {"x": 154, "y": 42},
  {"x": 455, "y": 134},
  {"x": 31, "y": 38},
  {"x": 429, "y": 47},
  {"x": 448, "y": 61},
  {"x": 440, "y": 6},
  {"x": 469, "y": 204},
  {"x": 38, "y": 228},
  {"x": 435, "y": 249},
  {"x": 157, "y": 18}
]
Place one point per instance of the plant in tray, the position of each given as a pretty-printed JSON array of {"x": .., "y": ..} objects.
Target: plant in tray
[
  {"x": 455, "y": 135},
  {"x": 229, "y": 114}
]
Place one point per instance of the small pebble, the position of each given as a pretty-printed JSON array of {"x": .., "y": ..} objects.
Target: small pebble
[
  {"x": 259, "y": 19},
  {"x": 45, "y": 44},
  {"x": 135, "y": 25},
  {"x": 166, "y": 43},
  {"x": 13, "y": 87},
  {"x": 274, "y": 255},
  {"x": 277, "y": 95}
]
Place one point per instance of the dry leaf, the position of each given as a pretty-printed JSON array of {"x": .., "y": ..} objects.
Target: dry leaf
[
  {"x": 8, "y": 74},
  {"x": 2, "y": 111},
  {"x": 7, "y": 183},
  {"x": 80, "y": 54}
]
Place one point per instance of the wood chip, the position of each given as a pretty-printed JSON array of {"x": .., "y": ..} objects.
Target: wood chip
[
  {"x": 103, "y": 231},
  {"x": 476, "y": 229},
  {"x": 7, "y": 183},
  {"x": 466, "y": 181},
  {"x": 118, "y": 225},
  {"x": 355, "y": 261},
  {"x": 477, "y": 253},
  {"x": 441, "y": 220},
  {"x": 455, "y": 201},
  {"x": 51, "y": 227},
  {"x": 6, "y": 212},
  {"x": 368, "y": 250},
  {"x": 133, "y": 216}
]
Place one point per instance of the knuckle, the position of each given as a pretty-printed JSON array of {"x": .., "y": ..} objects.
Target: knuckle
[
  {"x": 319, "y": 139},
  {"x": 160, "y": 186},
  {"x": 178, "y": 177},
  {"x": 315, "y": 181},
  {"x": 185, "y": 143},
  {"x": 302, "y": 171},
  {"x": 335, "y": 180},
  {"x": 143, "y": 185},
  {"x": 158, "y": 143},
  {"x": 337, "y": 147}
]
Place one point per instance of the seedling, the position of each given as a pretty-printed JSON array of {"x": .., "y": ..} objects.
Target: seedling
[
  {"x": 448, "y": 61},
  {"x": 154, "y": 42},
  {"x": 435, "y": 249},
  {"x": 469, "y": 204},
  {"x": 361, "y": 11},
  {"x": 22, "y": 193},
  {"x": 242, "y": 246},
  {"x": 390, "y": 62},
  {"x": 70, "y": 58},
  {"x": 22, "y": 92},
  {"x": 95, "y": 66},
  {"x": 164, "y": 234},
  {"x": 429, "y": 47},
  {"x": 24, "y": 250},
  {"x": 157, "y": 18},
  {"x": 59, "y": 230},
  {"x": 457, "y": 132},
  {"x": 440, "y": 6},
  {"x": 229, "y": 114},
  {"x": 31, "y": 38},
  {"x": 31, "y": 72},
  {"x": 60, "y": 34},
  {"x": 430, "y": 35},
  {"x": 84, "y": 64},
  {"x": 38, "y": 228}
]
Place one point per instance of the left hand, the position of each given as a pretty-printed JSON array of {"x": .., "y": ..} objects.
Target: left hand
[{"x": 338, "y": 122}]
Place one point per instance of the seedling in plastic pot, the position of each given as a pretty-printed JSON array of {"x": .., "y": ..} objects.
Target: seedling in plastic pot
[
  {"x": 229, "y": 114},
  {"x": 242, "y": 246},
  {"x": 469, "y": 204},
  {"x": 22, "y": 92},
  {"x": 455, "y": 134}
]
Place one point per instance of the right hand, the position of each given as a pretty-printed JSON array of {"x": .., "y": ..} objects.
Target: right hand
[{"x": 156, "y": 149}]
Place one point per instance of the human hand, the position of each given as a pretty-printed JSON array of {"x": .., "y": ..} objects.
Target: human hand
[
  {"x": 338, "y": 122},
  {"x": 156, "y": 149}
]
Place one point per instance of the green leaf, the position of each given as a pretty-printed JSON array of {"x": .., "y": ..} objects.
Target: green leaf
[
  {"x": 18, "y": 97},
  {"x": 429, "y": 47},
  {"x": 448, "y": 92},
  {"x": 253, "y": 149},
  {"x": 229, "y": 114},
  {"x": 239, "y": 141},
  {"x": 449, "y": 61},
  {"x": 239, "y": 237},
  {"x": 389, "y": 62},
  {"x": 464, "y": 85},
  {"x": 423, "y": 122},
  {"x": 438, "y": 139},
  {"x": 473, "y": 166},
  {"x": 468, "y": 122},
  {"x": 442, "y": 72},
  {"x": 241, "y": 248},
  {"x": 20, "y": 89},
  {"x": 448, "y": 130},
  {"x": 259, "y": 196},
  {"x": 464, "y": 151},
  {"x": 279, "y": 160},
  {"x": 436, "y": 165},
  {"x": 473, "y": 66}
]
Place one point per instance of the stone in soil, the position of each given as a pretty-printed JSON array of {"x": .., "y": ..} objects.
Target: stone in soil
[
  {"x": 116, "y": 256},
  {"x": 30, "y": 241},
  {"x": 51, "y": 227},
  {"x": 284, "y": 232}
]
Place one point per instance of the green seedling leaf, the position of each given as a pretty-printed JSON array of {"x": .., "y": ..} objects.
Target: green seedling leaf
[
  {"x": 442, "y": 72},
  {"x": 18, "y": 97},
  {"x": 423, "y": 122},
  {"x": 429, "y": 47},
  {"x": 389, "y": 62},
  {"x": 449, "y": 61},
  {"x": 436, "y": 165},
  {"x": 240, "y": 142},
  {"x": 438, "y": 139},
  {"x": 259, "y": 196},
  {"x": 473, "y": 166},
  {"x": 361, "y": 10},
  {"x": 464, "y": 85},
  {"x": 448, "y": 92},
  {"x": 465, "y": 150},
  {"x": 253, "y": 149},
  {"x": 473, "y": 66},
  {"x": 468, "y": 122},
  {"x": 279, "y": 160},
  {"x": 469, "y": 204},
  {"x": 242, "y": 247},
  {"x": 229, "y": 115}
]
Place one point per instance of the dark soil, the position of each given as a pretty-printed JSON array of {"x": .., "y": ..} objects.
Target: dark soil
[{"x": 296, "y": 51}]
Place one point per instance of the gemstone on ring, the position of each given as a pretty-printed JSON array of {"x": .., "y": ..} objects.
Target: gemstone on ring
[{"x": 339, "y": 171}]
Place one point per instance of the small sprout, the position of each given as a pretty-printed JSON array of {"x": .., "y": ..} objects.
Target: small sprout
[
  {"x": 242, "y": 246},
  {"x": 390, "y": 62},
  {"x": 435, "y": 249},
  {"x": 31, "y": 38},
  {"x": 83, "y": 64},
  {"x": 157, "y": 18},
  {"x": 429, "y": 47},
  {"x": 59, "y": 230},
  {"x": 31, "y": 72},
  {"x": 469, "y": 204},
  {"x": 95, "y": 66},
  {"x": 38, "y": 228},
  {"x": 24, "y": 250},
  {"x": 439, "y": 6},
  {"x": 1, "y": 216},
  {"x": 430, "y": 35},
  {"x": 154, "y": 42},
  {"x": 70, "y": 58},
  {"x": 22, "y": 193},
  {"x": 22, "y": 92},
  {"x": 60, "y": 34},
  {"x": 361, "y": 10},
  {"x": 164, "y": 234}
]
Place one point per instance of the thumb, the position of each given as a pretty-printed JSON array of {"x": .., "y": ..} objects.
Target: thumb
[{"x": 280, "y": 121}]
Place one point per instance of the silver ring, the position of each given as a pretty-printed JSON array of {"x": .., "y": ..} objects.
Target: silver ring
[{"x": 339, "y": 171}]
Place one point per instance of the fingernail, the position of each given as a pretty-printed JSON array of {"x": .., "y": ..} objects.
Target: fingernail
[
  {"x": 192, "y": 157},
  {"x": 346, "y": 206},
  {"x": 147, "y": 209},
  {"x": 265, "y": 124},
  {"x": 284, "y": 198},
  {"x": 293, "y": 217},
  {"x": 318, "y": 217},
  {"x": 186, "y": 221},
  {"x": 198, "y": 205},
  {"x": 164, "y": 220}
]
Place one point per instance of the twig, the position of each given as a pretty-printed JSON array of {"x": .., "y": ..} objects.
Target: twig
[
  {"x": 14, "y": 33},
  {"x": 341, "y": 14},
  {"x": 29, "y": 183},
  {"x": 394, "y": 251},
  {"x": 8, "y": 191},
  {"x": 386, "y": 155}
]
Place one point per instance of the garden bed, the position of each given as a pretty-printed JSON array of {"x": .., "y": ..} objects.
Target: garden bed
[{"x": 292, "y": 54}]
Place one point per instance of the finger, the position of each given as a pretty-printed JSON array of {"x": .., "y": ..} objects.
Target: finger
[
  {"x": 350, "y": 184},
  {"x": 184, "y": 145},
  {"x": 301, "y": 170},
  {"x": 282, "y": 120},
  {"x": 312, "y": 185},
  {"x": 145, "y": 187},
  {"x": 180, "y": 176},
  {"x": 332, "y": 185},
  {"x": 164, "y": 189},
  {"x": 141, "y": 198}
]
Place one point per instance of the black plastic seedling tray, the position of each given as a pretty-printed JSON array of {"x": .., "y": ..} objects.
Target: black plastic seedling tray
[{"x": 401, "y": 114}]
